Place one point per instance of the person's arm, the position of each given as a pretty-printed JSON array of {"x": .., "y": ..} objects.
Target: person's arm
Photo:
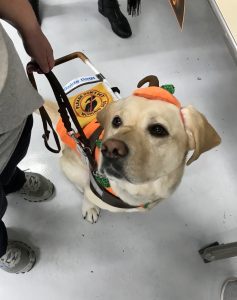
[{"x": 20, "y": 14}]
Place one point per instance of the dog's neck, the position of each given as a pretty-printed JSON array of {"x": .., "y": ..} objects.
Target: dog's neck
[{"x": 154, "y": 191}]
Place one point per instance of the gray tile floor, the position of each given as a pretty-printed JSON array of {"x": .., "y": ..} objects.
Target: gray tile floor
[{"x": 135, "y": 256}]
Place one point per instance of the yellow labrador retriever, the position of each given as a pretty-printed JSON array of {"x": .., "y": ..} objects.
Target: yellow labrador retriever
[{"x": 144, "y": 150}]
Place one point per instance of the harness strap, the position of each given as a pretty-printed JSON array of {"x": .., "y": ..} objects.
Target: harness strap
[
  {"x": 65, "y": 109},
  {"x": 46, "y": 120},
  {"x": 107, "y": 197},
  {"x": 45, "y": 117},
  {"x": 94, "y": 137}
]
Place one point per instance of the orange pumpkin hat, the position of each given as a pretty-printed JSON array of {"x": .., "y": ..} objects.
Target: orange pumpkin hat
[{"x": 157, "y": 93}]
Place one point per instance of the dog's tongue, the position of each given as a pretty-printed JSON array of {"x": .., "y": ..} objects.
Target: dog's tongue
[{"x": 157, "y": 93}]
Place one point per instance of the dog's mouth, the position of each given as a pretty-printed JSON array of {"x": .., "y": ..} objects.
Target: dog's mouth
[
  {"x": 113, "y": 170},
  {"x": 117, "y": 170}
]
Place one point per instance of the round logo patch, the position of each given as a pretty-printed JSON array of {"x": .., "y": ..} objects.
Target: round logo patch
[{"x": 89, "y": 103}]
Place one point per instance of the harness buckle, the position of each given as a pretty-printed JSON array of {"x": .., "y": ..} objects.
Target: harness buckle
[{"x": 82, "y": 149}]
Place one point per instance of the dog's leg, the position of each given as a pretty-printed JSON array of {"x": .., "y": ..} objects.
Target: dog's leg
[
  {"x": 75, "y": 170},
  {"x": 90, "y": 211}
]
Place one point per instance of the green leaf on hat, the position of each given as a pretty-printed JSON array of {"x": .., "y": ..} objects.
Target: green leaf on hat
[{"x": 169, "y": 87}]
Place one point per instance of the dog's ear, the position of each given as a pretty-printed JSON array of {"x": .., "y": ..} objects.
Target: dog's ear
[{"x": 201, "y": 135}]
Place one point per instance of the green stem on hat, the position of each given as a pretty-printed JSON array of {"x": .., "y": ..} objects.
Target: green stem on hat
[{"x": 169, "y": 87}]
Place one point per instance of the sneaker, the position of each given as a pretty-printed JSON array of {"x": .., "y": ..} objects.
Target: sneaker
[
  {"x": 36, "y": 188},
  {"x": 229, "y": 289},
  {"x": 19, "y": 258}
]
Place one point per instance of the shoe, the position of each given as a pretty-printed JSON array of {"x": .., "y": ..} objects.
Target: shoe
[
  {"x": 19, "y": 258},
  {"x": 110, "y": 9},
  {"x": 35, "y": 6},
  {"x": 229, "y": 289},
  {"x": 36, "y": 188}
]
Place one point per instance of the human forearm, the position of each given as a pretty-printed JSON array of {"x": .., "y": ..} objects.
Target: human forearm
[{"x": 20, "y": 14}]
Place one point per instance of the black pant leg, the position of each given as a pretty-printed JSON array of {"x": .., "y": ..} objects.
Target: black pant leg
[
  {"x": 12, "y": 177},
  {"x": 3, "y": 231}
]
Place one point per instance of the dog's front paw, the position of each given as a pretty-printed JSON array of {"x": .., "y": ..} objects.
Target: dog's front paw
[{"x": 90, "y": 212}]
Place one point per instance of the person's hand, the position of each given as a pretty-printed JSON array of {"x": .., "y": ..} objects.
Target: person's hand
[{"x": 40, "y": 50}]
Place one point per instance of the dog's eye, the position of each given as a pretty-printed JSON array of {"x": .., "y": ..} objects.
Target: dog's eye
[
  {"x": 116, "y": 122},
  {"x": 157, "y": 130}
]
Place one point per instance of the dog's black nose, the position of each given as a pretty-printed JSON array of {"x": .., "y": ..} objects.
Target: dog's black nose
[{"x": 114, "y": 149}]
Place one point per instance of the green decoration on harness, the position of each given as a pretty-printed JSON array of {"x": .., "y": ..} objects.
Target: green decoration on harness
[
  {"x": 98, "y": 143},
  {"x": 102, "y": 180},
  {"x": 146, "y": 205},
  {"x": 169, "y": 87}
]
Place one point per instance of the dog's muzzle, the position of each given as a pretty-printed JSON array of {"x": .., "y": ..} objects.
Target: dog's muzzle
[{"x": 114, "y": 154}]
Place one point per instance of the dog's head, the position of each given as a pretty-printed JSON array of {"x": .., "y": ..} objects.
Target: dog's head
[{"x": 146, "y": 139}]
